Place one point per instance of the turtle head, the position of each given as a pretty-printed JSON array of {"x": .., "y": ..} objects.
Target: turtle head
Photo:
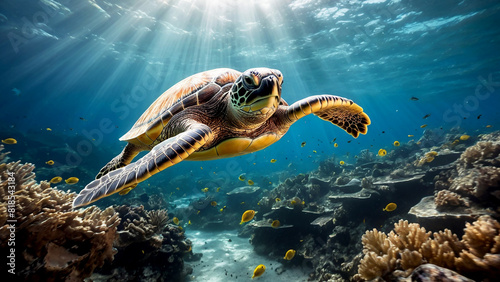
[{"x": 255, "y": 95}]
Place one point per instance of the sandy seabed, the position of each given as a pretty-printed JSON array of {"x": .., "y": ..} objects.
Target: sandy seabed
[{"x": 227, "y": 257}]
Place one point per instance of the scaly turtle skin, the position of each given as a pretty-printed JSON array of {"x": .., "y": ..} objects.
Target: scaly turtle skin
[{"x": 214, "y": 114}]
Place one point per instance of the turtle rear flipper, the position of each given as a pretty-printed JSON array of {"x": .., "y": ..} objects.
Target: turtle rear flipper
[
  {"x": 162, "y": 156},
  {"x": 123, "y": 159},
  {"x": 342, "y": 112}
]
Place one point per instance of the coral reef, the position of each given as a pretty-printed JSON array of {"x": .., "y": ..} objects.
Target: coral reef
[
  {"x": 55, "y": 243},
  {"x": 479, "y": 171},
  {"x": 397, "y": 254},
  {"x": 148, "y": 248},
  {"x": 52, "y": 241}
]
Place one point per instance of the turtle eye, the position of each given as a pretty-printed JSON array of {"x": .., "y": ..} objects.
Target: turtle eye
[
  {"x": 248, "y": 80},
  {"x": 251, "y": 80},
  {"x": 280, "y": 77}
]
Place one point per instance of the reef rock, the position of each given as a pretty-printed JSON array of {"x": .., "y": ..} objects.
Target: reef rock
[
  {"x": 428, "y": 214},
  {"x": 432, "y": 273},
  {"x": 247, "y": 194}
]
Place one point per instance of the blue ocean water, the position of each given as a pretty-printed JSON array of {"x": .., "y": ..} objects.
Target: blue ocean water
[{"x": 88, "y": 70}]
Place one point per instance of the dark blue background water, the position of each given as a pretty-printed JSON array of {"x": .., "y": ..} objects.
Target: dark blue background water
[{"x": 88, "y": 69}]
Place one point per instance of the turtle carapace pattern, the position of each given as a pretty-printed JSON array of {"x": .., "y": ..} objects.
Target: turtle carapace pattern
[{"x": 214, "y": 114}]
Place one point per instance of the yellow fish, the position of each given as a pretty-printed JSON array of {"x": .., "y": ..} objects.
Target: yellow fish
[
  {"x": 218, "y": 189},
  {"x": 431, "y": 153},
  {"x": 390, "y": 207},
  {"x": 335, "y": 145},
  {"x": 178, "y": 188},
  {"x": 198, "y": 212},
  {"x": 221, "y": 210},
  {"x": 396, "y": 143},
  {"x": 314, "y": 151},
  {"x": 56, "y": 179},
  {"x": 489, "y": 126},
  {"x": 275, "y": 224},
  {"x": 273, "y": 161},
  {"x": 293, "y": 202},
  {"x": 175, "y": 220},
  {"x": 49, "y": 129},
  {"x": 213, "y": 203},
  {"x": 125, "y": 191},
  {"x": 278, "y": 200},
  {"x": 423, "y": 126},
  {"x": 341, "y": 163},
  {"x": 71, "y": 180},
  {"x": 410, "y": 135},
  {"x": 250, "y": 182},
  {"x": 204, "y": 190},
  {"x": 242, "y": 203},
  {"x": 241, "y": 177},
  {"x": 464, "y": 137},
  {"x": 259, "y": 270},
  {"x": 302, "y": 144},
  {"x": 51, "y": 162},
  {"x": 382, "y": 152},
  {"x": 289, "y": 254},
  {"x": 189, "y": 222},
  {"x": 9, "y": 141},
  {"x": 247, "y": 216}
]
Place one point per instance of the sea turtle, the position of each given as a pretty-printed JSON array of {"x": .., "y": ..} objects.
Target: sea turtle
[{"x": 214, "y": 114}]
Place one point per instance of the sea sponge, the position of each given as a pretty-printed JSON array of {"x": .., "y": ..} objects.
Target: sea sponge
[{"x": 52, "y": 240}]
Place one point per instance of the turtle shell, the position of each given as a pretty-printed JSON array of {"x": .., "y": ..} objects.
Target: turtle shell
[{"x": 194, "y": 90}]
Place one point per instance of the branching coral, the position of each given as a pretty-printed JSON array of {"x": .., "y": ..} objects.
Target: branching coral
[
  {"x": 482, "y": 241},
  {"x": 380, "y": 255},
  {"x": 53, "y": 241},
  {"x": 3, "y": 155},
  {"x": 408, "y": 236},
  {"x": 409, "y": 245}
]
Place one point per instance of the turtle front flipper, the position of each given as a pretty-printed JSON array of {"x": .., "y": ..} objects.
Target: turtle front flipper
[
  {"x": 340, "y": 111},
  {"x": 162, "y": 156}
]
